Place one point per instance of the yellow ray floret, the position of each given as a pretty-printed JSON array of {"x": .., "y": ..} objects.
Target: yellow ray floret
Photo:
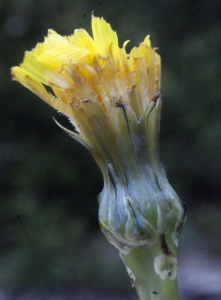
[{"x": 80, "y": 67}]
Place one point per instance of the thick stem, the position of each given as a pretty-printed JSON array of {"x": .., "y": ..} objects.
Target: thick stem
[{"x": 149, "y": 284}]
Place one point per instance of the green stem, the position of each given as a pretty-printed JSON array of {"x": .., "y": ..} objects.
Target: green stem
[{"x": 149, "y": 285}]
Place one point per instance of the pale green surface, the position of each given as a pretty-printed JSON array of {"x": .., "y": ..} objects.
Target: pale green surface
[{"x": 149, "y": 284}]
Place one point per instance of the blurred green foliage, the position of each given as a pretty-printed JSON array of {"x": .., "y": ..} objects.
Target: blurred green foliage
[{"x": 49, "y": 233}]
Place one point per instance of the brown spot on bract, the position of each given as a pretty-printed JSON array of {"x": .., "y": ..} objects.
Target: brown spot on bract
[{"x": 156, "y": 97}]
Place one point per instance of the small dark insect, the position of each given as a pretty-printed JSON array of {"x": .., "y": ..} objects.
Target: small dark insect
[{"x": 155, "y": 293}]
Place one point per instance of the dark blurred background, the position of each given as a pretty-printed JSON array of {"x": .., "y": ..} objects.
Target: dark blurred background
[{"x": 51, "y": 246}]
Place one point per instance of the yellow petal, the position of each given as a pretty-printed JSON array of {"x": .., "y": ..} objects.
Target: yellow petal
[
  {"x": 135, "y": 52},
  {"x": 83, "y": 39},
  {"x": 43, "y": 72},
  {"x": 27, "y": 80},
  {"x": 63, "y": 54},
  {"x": 103, "y": 35},
  {"x": 52, "y": 40},
  {"x": 115, "y": 54},
  {"x": 147, "y": 41},
  {"x": 125, "y": 43},
  {"x": 33, "y": 67}
]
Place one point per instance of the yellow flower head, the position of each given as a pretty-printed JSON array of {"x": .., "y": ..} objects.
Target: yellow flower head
[
  {"x": 90, "y": 79},
  {"x": 112, "y": 98}
]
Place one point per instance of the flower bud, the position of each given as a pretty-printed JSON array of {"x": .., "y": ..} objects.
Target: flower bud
[{"x": 138, "y": 206}]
